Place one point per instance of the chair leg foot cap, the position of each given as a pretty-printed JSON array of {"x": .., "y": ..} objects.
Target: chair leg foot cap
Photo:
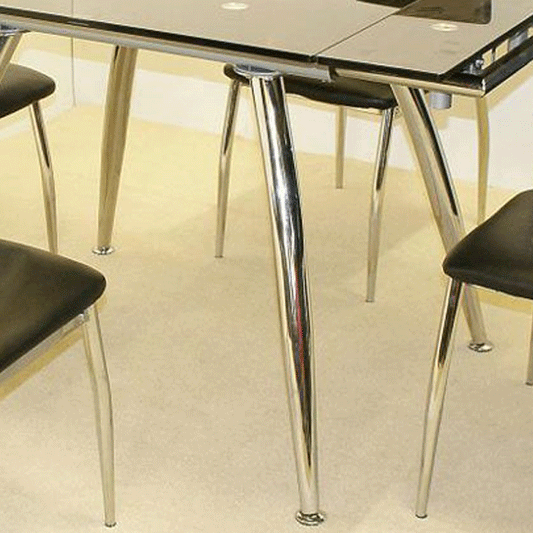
[
  {"x": 311, "y": 519},
  {"x": 480, "y": 347},
  {"x": 103, "y": 250}
]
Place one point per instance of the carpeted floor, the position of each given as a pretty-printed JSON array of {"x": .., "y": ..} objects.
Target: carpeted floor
[{"x": 202, "y": 437}]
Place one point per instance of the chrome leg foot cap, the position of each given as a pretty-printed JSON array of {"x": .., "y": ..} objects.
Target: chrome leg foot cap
[
  {"x": 110, "y": 525},
  {"x": 422, "y": 516},
  {"x": 103, "y": 250},
  {"x": 312, "y": 519},
  {"x": 480, "y": 347}
]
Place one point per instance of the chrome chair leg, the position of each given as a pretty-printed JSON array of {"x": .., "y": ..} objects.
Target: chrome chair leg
[
  {"x": 482, "y": 112},
  {"x": 117, "y": 109},
  {"x": 376, "y": 202},
  {"x": 441, "y": 193},
  {"x": 94, "y": 351},
  {"x": 340, "y": 139},
  {"x": 436, "y": 393},
  {"x": 294, "y": 306},
  {"x": 47, "y": 175},
  {"x": 224, "y": 164}
]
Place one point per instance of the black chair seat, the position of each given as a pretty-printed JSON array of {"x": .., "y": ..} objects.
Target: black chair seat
[
  {"x": 498, "y": 254},
  {"x": 39, "y": 293},
  {"x": 21, "y": 86},
  {"x": 340, "y": 91}
]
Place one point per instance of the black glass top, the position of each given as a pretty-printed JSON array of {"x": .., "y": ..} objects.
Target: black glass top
[{"x": 431, "y": 36}]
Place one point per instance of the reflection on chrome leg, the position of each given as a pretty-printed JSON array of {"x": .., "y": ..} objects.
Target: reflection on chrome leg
[
  {"x": 117, "y": 109},
  {"x": 482, "y": 112},
  {"x": 224, "y": 164},
  {"x": 47, "y": 175},
  {"x": 294, "y": 306},
  {"x": 436, "y": 393},
  {"x": 376, "y": 203},
  {"x": 340, "y": 127},
  {"x": 441, "y": 192},
  {"x": 94, "y": 351}
]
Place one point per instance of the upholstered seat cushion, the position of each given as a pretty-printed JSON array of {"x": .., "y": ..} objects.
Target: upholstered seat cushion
[
  {"x": 498, "y": 254},
  {"x": 340, "y": 91},
  {"x": 39, "y": 293},
  {"x": 21, "y": 86}
]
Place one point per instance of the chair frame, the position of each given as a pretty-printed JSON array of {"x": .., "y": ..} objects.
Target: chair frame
[
  {"x": 378, "y": 179},
  {"x": 94, "y": 351},
  {"x": 437, "y": 391},
  {"x": 47, "y": 174}
]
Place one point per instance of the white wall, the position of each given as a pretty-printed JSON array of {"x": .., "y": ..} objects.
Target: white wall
[{"x": 192, "y": 93}]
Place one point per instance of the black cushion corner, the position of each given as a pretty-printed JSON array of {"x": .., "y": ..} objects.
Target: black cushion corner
[
  {"x": 21, "y": 87},
  {"x": 498, "y": 254},
  {"x": 339, "y": 91},
  {"x": 39, "y": 293}
]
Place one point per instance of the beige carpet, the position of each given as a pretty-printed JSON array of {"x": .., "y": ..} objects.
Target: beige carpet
[{"x": 202, "y": 438}]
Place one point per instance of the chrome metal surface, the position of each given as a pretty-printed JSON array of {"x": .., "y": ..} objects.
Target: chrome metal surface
[
  {"x": 440, "y": 189},
  {"x": 224, "y": 165},
  {"x": 119, "y": 87},
  {"x": 340, "y": 140},
  {"x": 463, "y": 86},
  {"x": 438, "y": 100},
  {"x": 436, "y": 393},
  {"x": 310, "y": 519},
  {"x": 94, "y": 350},
  {"x": 483, "y": 143},
  {"x": 480, "y": 347},
  {"x": 516, "y": 39},
  {"x": 47, "y": 175},
  {"x": 294, "y": 306},
  {"x": 376, "y": 202}
]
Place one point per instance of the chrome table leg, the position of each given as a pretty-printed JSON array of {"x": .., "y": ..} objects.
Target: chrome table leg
[
  {"x": 482, "y": 112},
  {"x": 294, "y": 306},
  {"x": 117, "y": 109},
  {"x": 376, "y": 203},
  {"x": 224, "y": 164},
  {"x": 441, "y": 193},
  {"x": 340, "y": 139}
]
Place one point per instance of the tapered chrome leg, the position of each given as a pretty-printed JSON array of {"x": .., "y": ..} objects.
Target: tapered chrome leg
[
  {"x": 340, "y": 126},
  {"x": 436, "y": 393},
  {"x": 224, "y": 164},
  {"x": 441, "y": 193},
  {"x": 94, "y": 351},
  {"x": 47, "y": 175},
  {"x": 294, "y": 306},
  {"x": 119, "y": 86},
  {"x": 529, "y": 378},
  {"x": 482, "y": 112},
  {"x": 376, "y": 203}
]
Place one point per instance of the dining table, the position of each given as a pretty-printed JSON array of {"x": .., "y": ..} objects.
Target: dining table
[{"x": 445, "y": 47}]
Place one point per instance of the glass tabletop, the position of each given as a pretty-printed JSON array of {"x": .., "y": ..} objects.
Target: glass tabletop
[{"x": 414, "y": 36}]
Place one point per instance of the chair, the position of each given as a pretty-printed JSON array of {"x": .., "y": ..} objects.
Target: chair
[
  {"x": 497, "y": 255},
  {"x": 343, "y": 93},
  {"x": 23, "y": 87},
  {"x": 43, "y": 297}
]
